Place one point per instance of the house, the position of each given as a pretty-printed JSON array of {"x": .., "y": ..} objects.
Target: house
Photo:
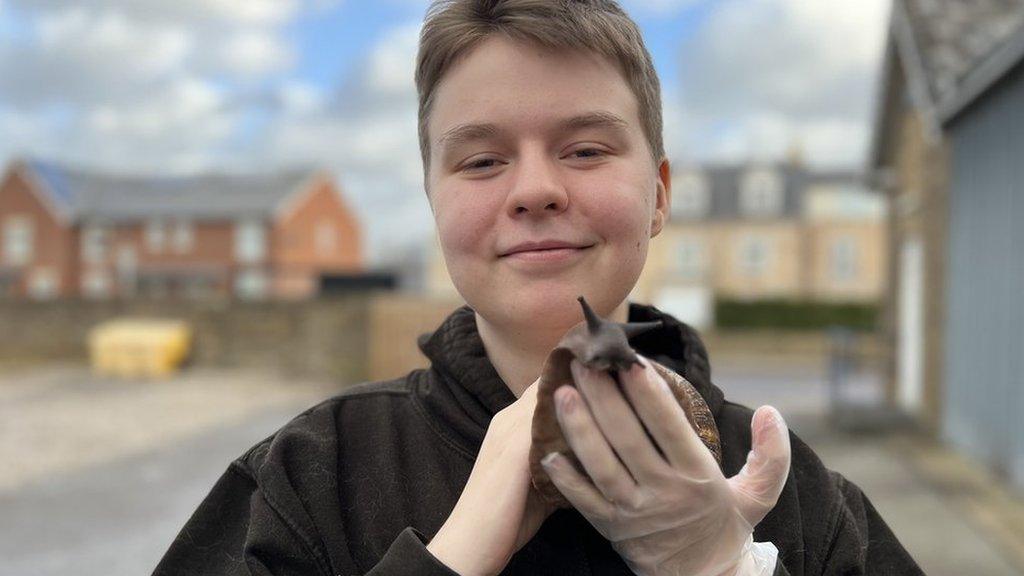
[
  {"x": 931, "y": 46},
  {"x": 67, "y": 232},
  {"x": 765, "y": 231},
  {"x": 983, "y": 396}
]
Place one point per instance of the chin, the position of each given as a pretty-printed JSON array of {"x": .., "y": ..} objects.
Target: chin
[{"x": 562, "y": 310}]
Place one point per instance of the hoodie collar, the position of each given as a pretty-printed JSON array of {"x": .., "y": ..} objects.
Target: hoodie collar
[{"x": 470, "y": 392}]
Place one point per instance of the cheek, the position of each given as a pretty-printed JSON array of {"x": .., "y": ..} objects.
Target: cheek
[
  {"x": 623, "y": 217},
  {"x": 463, "y": 226}
]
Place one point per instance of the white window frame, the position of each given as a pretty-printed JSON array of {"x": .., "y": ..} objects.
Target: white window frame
[
  {"x": 761, "y": 193},
  {"x": 250, "y": 241},
  {"x": 96, "y": 284},
  {"x": 754, "y": 255},
  {"x": 691, "y": 196},
  {"x": 156, "y": 236},
  {"x": 95, "y": 238},
  {"x": 690, "y": 258},
  {"x": 19, "y": 240},
  {"x": 843, "y": 259},
  {"x": 183, "y": 236},
  {"x": 43, "y": 283},
  {"x": 251, "y": 284}
]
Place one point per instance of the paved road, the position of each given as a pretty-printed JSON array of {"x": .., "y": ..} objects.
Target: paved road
[{"x": 117, "y": 517}]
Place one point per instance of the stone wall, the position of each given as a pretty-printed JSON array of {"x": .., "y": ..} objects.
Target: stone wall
[
  {"x": 347, "y": 339},
  {"x": 324, "y": 338}
]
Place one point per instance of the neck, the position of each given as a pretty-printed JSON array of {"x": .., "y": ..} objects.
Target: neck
[{"x": 518, "y": 353}]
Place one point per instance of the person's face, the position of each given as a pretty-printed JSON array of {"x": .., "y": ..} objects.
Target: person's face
[{"x": 557, "y": 153}]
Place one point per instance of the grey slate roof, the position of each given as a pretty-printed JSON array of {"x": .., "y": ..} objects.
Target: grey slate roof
[
  {"x": 936, "y": 44},
  {"x": 953, "y": 36},
  {"x": 84, "y": 195},
  {"x": 724, "y": 182}
]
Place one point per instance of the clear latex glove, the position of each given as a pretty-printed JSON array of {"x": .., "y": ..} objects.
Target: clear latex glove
[{"x": 669, "y": 513}]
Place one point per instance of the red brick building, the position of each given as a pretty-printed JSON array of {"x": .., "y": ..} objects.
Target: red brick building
[{"x": 66, "y": 232}]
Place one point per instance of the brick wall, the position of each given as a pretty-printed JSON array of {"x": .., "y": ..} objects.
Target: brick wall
[{"x": 52, "y": 240}]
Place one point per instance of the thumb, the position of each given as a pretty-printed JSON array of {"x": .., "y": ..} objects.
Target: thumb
[{"x": 758, "y": 484}]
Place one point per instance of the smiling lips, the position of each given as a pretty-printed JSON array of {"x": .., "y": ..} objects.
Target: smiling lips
[{"x": 553, "y": 246}]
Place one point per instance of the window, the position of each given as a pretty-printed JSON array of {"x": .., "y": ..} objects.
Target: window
[
  {"x": 690, "y": 258},
  {"x": 127, "y": 269},
  {"x": 250, "y": 241},
  {"x": 251, "y": 284},
  {"x": 754, "y": 253},
  {"x": 326, "y": 239},
  {"x": 183, "y": 237},
  {"x": 96, "y": 284},
  {"x": 155, "y": 236},
  {"x": 18, "y": 240},
  {"x": 691, "y": 196},
  {"x": 42, "y": 283},
  {"x": 843, "y": 259},
  {"x": 94, "y": 243},
  {"x": 761, "y": 193}
]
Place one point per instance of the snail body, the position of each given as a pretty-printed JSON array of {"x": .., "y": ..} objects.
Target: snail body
[{"x": 601, "y": 345}]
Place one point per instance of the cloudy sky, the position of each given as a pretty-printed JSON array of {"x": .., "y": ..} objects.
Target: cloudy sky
[{"x": 156, "y": 86}]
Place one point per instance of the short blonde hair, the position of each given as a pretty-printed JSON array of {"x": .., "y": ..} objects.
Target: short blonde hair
[{"x": 454, "y": 27}]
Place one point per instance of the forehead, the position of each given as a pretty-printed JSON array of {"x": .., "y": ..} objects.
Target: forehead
[{"x": 512, "y": 84}]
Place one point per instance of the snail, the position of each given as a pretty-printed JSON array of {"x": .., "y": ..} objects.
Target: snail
[{"x": 601, "y": 344}]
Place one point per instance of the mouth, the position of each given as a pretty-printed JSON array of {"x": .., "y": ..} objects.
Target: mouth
[
  {"x": 545, "y": 254},
  {"x": 564, "y": 248}
]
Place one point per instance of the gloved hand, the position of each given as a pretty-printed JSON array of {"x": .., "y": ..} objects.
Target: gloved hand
[{"x": 665, "y": 515}]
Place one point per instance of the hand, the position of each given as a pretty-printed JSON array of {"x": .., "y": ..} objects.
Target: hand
[
  {"x": 498, "y": 511},
  {"x": 665, "y": 515}
]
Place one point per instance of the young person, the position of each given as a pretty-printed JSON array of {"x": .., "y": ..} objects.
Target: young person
[{"x": 540, "y": 131}]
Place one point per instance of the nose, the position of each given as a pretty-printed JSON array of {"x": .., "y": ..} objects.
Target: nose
[{"x": 537, "y": 188}]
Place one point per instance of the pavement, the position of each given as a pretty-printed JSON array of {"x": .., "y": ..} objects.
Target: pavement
[
  {"x": 104, "y": 473},
  {"x": 951, "y": 516},
  {"x": 83, "y": 499}
]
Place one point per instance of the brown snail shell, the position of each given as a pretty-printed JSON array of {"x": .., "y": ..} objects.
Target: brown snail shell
[{"x": 601, "y": 345}]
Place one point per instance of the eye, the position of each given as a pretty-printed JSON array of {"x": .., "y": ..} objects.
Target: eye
[
  {"x": 587, "y": 153},
  {"x": 481, "y": 164},
  {"x": 485, "y": 163}
]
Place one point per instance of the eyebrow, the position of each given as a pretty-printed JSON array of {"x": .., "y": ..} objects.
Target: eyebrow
[{"x": 468, "y": 132}]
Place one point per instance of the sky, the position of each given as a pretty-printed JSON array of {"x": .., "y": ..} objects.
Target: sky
[{"x": 187, "y": 86}]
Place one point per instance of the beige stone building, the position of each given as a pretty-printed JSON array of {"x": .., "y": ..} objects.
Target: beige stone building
[{"x": 766, "y": 231}]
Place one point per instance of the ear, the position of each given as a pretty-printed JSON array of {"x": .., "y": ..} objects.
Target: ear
[{"x": 662, "y": 197}]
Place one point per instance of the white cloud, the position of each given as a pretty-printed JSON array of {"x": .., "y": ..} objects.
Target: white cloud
[
  {"x": 763, "y": 75},
  {"x": 189, "y": 105},
  {"x": 298, "y": 98},
  {"x": 392, "y": 63},
  {"x": 107, "y": 36},
  {"x": 256, "y": 52},
  {"x": 146, "y": 84},
  {"x": 658, "y": 7},
  {"x": 243, "y": 12}
]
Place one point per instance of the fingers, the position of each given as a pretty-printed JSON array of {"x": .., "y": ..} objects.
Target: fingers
[
  {"x": 590, "y": 446},
  {"x": 758, "y": 484},
  {"x": 619, "y": 423},
  {"x": 576, "y": 488},
  {"x": 665, "y": 419}
]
